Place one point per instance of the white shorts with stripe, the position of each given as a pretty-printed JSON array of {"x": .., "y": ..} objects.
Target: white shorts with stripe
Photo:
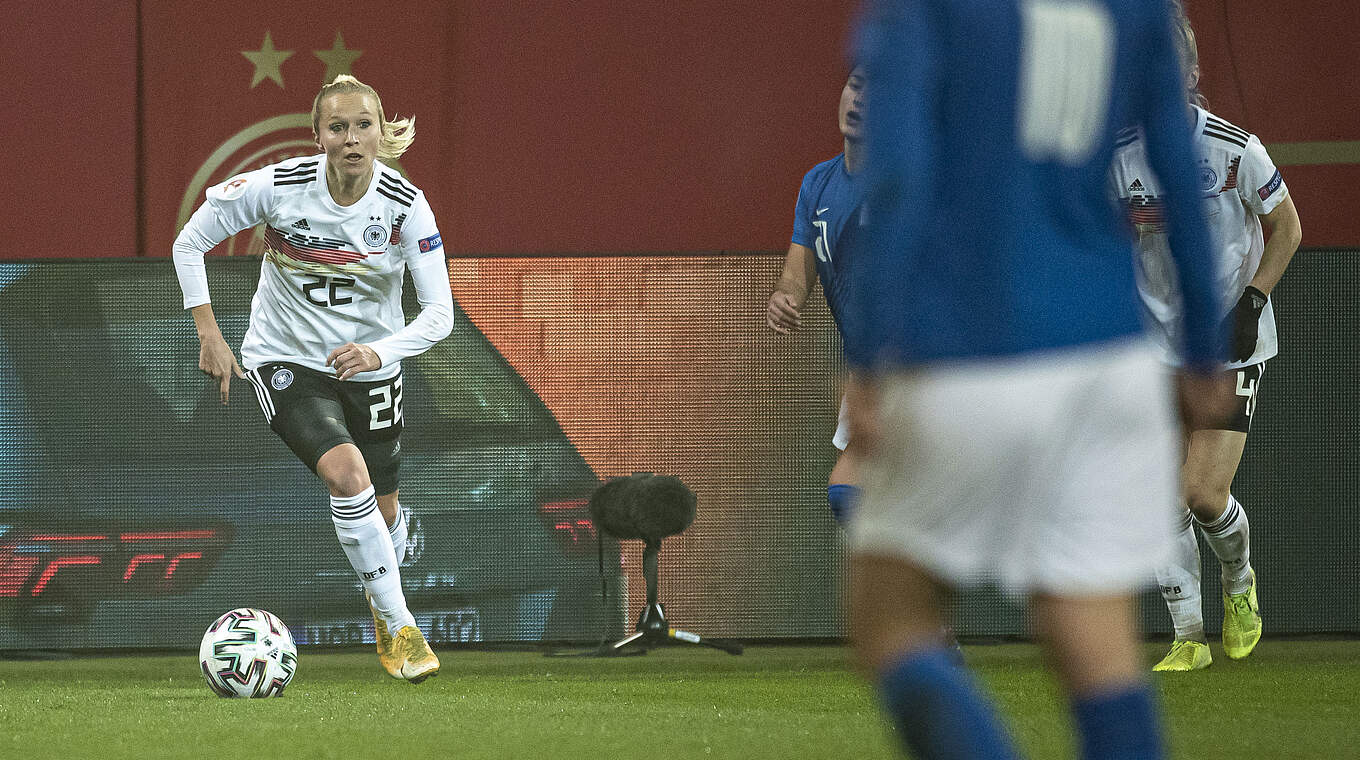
[
  {"x": 1054, "y": 472},
  {"x": 841, "y": 438}
]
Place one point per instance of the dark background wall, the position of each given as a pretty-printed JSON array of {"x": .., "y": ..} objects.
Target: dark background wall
[
  {"x": 136, "y": 508},
  {"x": 592, "y": 126}
]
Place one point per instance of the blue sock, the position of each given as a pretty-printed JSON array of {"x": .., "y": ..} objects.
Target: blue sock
[
  {"x": 1120, "y": 725},
  {"x": 842, "y": 499},
  {"x": 940, "y": 711}
]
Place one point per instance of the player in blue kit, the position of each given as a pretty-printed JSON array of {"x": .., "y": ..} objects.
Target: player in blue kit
[
  {"x": 1016, "y": 422},
  {"x": 825, "y": 215}
]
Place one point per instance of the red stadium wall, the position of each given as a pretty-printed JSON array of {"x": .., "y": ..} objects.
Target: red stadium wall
[
  {"x": 1287, "y": 72},
  {"x": 595, "y": 126},
  {"x": 70, "y": 128}
]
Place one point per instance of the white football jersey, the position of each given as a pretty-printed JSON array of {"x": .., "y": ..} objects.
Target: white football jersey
[
  {"x": 331, "y": 274},
  {"x": 1239, "y": 182}
]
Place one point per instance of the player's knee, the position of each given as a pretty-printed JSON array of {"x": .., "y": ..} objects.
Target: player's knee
[
  {"x": 894, "y": 609},
  {"x": 1205, "y": 502},
  {"x": 346, "y": 480},
  {"x": 344, "y": 471}
]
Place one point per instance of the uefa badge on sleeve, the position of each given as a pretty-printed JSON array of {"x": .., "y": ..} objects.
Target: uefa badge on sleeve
[{"x": 431, "y": 243}]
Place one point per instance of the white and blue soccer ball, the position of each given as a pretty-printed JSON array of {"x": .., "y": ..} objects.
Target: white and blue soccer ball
[{"x": 248, "y": 653}]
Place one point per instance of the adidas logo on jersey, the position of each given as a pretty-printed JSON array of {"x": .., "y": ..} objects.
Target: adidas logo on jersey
[
  {"x": 301, "y": 224},
  {"x": 1137, "y": 186}
]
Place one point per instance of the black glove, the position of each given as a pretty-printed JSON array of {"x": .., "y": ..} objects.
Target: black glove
[{"x": 1244, "y": 321}]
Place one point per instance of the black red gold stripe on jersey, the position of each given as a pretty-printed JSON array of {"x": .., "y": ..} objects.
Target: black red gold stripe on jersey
[
  {"x": 300, "y": 174},
  {"x": 396, "y": 190},
  {"x": 395, "y": 239},
  {"x": 1231, "y": 182},
  {"x": 316, "y": 250},
  {"x": 1146, "y": 210}
]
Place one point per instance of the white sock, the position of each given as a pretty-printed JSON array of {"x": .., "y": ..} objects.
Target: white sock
[
  {"x": 1230, "y": 538},
  {"x": 364, "y": 537},
  {"x": 1179, "y": 582},
  {"x": 398, "y": 532}
]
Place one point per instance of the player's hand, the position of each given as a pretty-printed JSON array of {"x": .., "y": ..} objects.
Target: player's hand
[
  {"x": 351, "y": 359},
  {"x": 1244, "y": 321},
  {"x": 1207, "y": 400},
  {"x": 862, "y": 412},
  {"x": 216, "y": 360},
  {"x": 781, "y": 314}
]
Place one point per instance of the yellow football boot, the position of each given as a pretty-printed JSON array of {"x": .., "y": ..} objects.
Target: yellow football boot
[
  {"x": 1185, "y": 656},
  {"x": 389, "y": 661},
  {"x": 1241, "y": 622},
  {"x": 411, "y": 650}
]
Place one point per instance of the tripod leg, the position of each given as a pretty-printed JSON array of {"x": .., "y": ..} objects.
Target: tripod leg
[
  {"x": 625, "y": 641},
  {"x": 731, "y": 647}
]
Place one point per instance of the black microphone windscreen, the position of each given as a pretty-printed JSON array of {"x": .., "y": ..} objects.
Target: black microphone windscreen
[
  {"x": 643, "y": 505},
  {"x": 662, "y": 506},
  {"x": 609, "y": 509}
]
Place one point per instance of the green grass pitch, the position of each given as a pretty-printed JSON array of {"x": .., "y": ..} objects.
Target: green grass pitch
[{"x": 1291, "y": 699}]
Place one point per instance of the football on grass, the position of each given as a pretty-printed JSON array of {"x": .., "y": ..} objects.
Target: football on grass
[{"x": 248, "y": 653}]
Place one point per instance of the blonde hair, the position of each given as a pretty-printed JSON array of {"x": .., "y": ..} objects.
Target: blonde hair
[
  {"x": 1188, "y": 52},
  {"x": 397, "y": 135}
]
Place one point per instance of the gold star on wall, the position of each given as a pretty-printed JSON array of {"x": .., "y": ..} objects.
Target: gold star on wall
[
  {"x": 267, "y": 61},
  {"x": 338, "y": 59}
]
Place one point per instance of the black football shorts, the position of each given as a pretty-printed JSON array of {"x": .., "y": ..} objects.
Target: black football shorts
[
  {"x": 1247, "y": 382},
  {"x": 313, "y": 412}
]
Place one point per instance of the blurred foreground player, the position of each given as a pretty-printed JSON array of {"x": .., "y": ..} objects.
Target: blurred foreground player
[
  {"x": 1243, "y": 191},
  {"x": 1017, "y": 424},
  {"x": 824, "y": 218},
  {"x": 327, "y": 333}
]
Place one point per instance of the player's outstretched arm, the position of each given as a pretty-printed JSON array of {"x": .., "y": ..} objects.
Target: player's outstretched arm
[
  {"x": 791, "y": 292},
  {"x": 215, "y": 357},
  {"x": 231, "y": 207}
]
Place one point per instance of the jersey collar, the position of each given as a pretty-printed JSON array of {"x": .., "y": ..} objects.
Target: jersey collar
[
  {"x": 326, "y": 189},
  {"x": 1201, "y": 119}
]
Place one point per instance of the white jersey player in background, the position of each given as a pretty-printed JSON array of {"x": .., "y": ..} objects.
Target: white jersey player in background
[
  {"x": 1244, "y": 192},
  {"x": 327, "y": 334}
]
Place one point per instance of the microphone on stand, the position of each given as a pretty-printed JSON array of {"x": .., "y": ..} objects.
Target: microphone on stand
[{"x": 649, "y": 507}]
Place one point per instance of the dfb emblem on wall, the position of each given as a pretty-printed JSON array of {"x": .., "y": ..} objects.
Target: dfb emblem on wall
[{"x": 273, "y": 138}]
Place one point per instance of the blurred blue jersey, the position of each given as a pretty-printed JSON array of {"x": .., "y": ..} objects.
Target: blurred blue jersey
[
  {"x": 824, "y": 220},
  {"x": 991, "y": 126}
]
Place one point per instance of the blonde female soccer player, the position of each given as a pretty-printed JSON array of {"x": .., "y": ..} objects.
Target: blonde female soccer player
[
  {"x": 327, "y": 334},
  {"x": 1244, "y": 192}
]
